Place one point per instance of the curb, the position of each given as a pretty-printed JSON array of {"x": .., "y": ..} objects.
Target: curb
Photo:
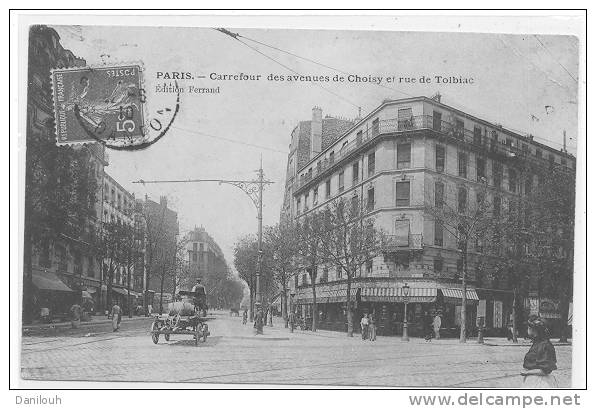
[{"x": 82, "y": 324}]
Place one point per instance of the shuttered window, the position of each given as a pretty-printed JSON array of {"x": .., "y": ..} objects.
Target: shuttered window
[{"x": 402, "y": 193}]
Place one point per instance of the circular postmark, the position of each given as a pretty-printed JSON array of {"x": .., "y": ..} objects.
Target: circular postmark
[{"x": 108, "y": 105}]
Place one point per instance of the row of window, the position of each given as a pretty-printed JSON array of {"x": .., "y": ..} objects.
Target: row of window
[{"x": 481, "y": 164}]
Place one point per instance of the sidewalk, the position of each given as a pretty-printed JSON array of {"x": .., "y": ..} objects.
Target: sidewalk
[
  {"x": 278, "y": 326},
  {"x": 97, "y": 320}
]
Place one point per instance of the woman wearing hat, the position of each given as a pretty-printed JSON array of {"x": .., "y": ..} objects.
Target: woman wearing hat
[{"x": 541, "y": 359}]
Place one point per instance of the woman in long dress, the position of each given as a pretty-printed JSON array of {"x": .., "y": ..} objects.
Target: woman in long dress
[
  {"x": 541, "y": 359},
  {"x": 116, "y": 317}
]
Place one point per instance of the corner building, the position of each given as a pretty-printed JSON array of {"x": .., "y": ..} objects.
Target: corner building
[{"x": 403, "y": 153}]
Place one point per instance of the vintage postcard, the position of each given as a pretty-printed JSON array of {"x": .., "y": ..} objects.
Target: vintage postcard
[{"x": 335, "y": 206}]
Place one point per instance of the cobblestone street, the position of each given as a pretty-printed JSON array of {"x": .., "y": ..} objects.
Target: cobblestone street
[{"x": 233, "y": 354}]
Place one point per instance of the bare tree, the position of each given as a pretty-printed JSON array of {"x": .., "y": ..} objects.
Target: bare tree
[
  {"x": 348, "y": 239},
  {"x": 280, "y": 252},
  {"x": 469, "y": 223},
  {"x": 309, "y": 252}
]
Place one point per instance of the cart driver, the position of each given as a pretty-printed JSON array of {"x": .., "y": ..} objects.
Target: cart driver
[{"x": 198, "y": 289}]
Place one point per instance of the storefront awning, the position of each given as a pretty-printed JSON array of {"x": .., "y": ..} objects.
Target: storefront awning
[
  {"x": 49, "y": 282},
  {"x": 395, "y": 294},
  {"x": 122, "y": 291},
  {"x": 325, "y": 296},
  {"x": 455, "y": 294}
]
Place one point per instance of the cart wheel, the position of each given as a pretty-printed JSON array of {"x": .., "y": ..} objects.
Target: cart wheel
[
  {"x": 154, "y": 334},
  {"x": 205, "y": 332},
  {"x": 197, "y": 336},
  {"x": 167, "y": 337}
]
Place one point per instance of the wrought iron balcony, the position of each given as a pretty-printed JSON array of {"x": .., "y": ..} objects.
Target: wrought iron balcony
[
  {"x": 445, "y": 129},
  {"x": 394, "y": 243}
]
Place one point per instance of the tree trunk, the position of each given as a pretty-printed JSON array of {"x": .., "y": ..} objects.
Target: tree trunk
[
  {"x": 161, "y": 283},
  {"x": 110, "y": 276},
  {"x": 349, "y": 309},
  {"x": 464, "y": 296},
  {"x": 251, "y": 305},
  {"x": 128, "y": 289},
  {"x": 314, "y": 301},
  {"x": 284, "y": 305}
]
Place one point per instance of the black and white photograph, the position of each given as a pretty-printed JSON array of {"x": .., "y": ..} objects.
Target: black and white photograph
[{"x": 206, "y": 203}]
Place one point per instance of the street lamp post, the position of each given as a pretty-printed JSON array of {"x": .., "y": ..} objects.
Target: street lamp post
[
  {"x": 254, "y": 190},
  {"x": 406, "y": 293},
  {"x": 292, "y": 317}
]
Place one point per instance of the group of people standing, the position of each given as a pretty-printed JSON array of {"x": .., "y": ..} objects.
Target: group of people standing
[{"x": 368, "y": 327}]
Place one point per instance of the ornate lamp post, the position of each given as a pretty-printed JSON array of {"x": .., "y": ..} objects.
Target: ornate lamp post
[
  {"x": 406, "y": 294},
  {"x": 254, "y": 190}
]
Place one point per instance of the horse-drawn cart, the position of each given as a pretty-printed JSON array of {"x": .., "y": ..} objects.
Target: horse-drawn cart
[
  {"x": 187, "y": 316},
  {"x": 167, "y": 325}
]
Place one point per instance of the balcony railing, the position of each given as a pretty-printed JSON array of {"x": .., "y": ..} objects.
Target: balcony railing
[
  {"x": 388, "y": 126},
  {"x": 396, "y": 243}
]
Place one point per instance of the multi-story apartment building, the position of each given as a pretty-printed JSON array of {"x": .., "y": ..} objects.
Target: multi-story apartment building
[
  {"x": 119, "y": 206},
  {"x": 204, "y": 254},
  {"x": 65, "y": 266},
  {"x": 160, "y": 244},
  {"x": 402, "y": 155}
]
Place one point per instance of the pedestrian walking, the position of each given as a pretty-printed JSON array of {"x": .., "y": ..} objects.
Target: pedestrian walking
[
  {"x": 244, "y": 317},
  {"x": 364, "y": 326},
  {"x": 116, "y": 316},
  {"x": 372, "y": 328},
  {"x": 541, "y": 359},
  {"x": 427, "y": 327},
  {"x": 75, "y": 313},
  {"x": 150, "y": 309},
  {"x": 437, "y": 325}
]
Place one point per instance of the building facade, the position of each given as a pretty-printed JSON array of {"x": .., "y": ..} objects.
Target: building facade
[
  {"x": 160, "y": 247},
  {"x": 64, "y": 268},
  {"x": 120, "y": 207},
  {"x": 403, "y": 155}
]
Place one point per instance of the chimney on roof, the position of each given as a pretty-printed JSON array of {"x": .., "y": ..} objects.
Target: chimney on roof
[
  {"x": 436, "y": 97},
  {"x": 163, "y": 200},
  {"x": 316, "y": 131}
]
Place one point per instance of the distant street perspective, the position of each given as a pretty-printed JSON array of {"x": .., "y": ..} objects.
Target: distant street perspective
[{"x": 234, "y": 354}]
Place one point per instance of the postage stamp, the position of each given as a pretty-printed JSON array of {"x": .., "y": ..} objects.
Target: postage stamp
[{"x": 98, "y": 104}]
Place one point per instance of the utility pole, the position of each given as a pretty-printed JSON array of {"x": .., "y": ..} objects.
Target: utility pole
[{"x": 254, "y": 190}]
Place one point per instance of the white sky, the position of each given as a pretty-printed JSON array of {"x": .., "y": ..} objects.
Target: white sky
[{"x": 515, "y": 77}]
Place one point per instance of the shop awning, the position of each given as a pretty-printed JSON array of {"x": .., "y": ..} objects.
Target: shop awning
[
  {"x": 86, "y": 294},
  {"x": 395, "y": 294},
  {"x": 49, "y": 282},
  {"x": 122, "y": 291},
  {"x": 325, "y": 296},
  {"x": 455, "y": 294}
]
